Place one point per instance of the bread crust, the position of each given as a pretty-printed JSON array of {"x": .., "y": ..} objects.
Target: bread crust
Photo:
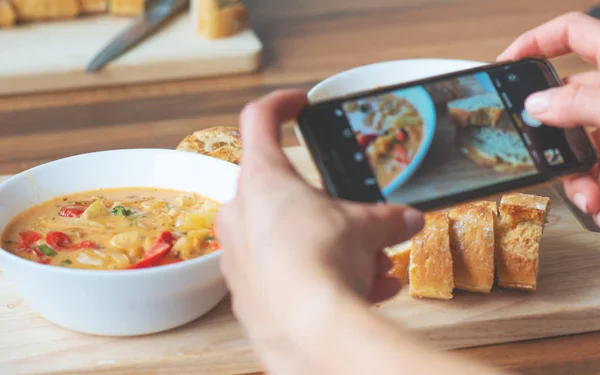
[
  {"x": 220, "y": 18},
  {"x": 519, "y": 233},
  {"x": 486, "y": 115},
  {"x": 220, "y": 142},
  {"x": 35, "y": 10},
  {"x": 430, "y": 268},
  {"x": 400, "y": 257},
  {"x": 472, "y": 245},
  {"x": 127, "y": 7},
  {"x": 93, "y": 6},
  {"x": 464, "y": 142},
  {"x": 8, "y": 17}
]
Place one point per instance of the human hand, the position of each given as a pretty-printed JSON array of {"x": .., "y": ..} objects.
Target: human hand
[
  {"x": 577, "y": 102},
  {"x": 292, "y": 255}
]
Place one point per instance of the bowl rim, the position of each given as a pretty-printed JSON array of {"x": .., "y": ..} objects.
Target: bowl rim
[
  {"x": 114, "y": 273},
  {"x": 341, "y": 75}
]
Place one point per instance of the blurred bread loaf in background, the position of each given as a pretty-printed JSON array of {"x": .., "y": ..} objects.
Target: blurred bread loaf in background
[{"x": 221, "y": 142}]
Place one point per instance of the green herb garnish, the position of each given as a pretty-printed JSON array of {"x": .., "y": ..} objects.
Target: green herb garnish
[
  {"x": 209, "y": 238},
  {"x": 65, "y": 262},
  {"x": 46, "y": 250},
  {"x": 121, "y": 211}
]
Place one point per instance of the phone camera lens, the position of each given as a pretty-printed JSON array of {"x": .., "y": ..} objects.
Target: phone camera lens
[{"x": 512, "y": 77}]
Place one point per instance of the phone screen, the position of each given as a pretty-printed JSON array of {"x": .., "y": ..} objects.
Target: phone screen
[{"x": 449, "y": 137}]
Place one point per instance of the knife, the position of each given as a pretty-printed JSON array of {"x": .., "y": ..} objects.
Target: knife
[{"x": 156, "y": 13}]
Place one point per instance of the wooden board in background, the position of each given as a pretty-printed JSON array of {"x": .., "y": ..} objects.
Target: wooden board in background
[
  {"x": 53, "y": 55},
  {"x": 567, "y": 301}
]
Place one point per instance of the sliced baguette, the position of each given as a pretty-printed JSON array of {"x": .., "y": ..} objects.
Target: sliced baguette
[
  {"x": 479, "y": 110},
  {"x": 400, "y": 257},
  {"x": 36, "y": 10},
  {"x": 430, "y": 269},
  {"x": 518, "y": 237},
  {"x": 215, "y": 19},
  {"x": 93, "y": 6},
  {"x": 127, "y": 8},
  {"x": 472, "y": 245},
  {"x": 496, "y": 148}
]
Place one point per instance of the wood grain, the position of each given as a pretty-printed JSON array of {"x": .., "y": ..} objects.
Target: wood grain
[{"x": 304, "y": 42}]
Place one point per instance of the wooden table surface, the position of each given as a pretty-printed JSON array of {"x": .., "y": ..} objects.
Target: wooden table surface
[{"x": 305, "y": 41}]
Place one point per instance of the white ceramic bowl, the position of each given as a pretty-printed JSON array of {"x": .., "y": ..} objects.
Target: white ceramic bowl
[
  {"x": 368, "y": 77},
  {"x": 388, "y": 73},
  {"x": 118, "y": 303}
]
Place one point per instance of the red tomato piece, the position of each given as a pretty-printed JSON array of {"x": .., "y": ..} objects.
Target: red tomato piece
[
  {"x": 401, "y": 155},
  {"x": 27, "y": 238},
  {"x": 155, "y": 254},
  {"x": 58, "y": 240},
  {"x": 72, "y": 211},
  {"x": 61, "y": 241},
  {"x": 365, "y": 140}
]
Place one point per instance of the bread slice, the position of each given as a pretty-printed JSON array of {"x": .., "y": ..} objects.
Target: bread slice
[
  {"x": 518, "y": 236},
  {"x": 219, "y": 142},
  {"x": 479, "y": 110},
  {"x": 497, "y": 148},
  {"x": 216, "y": 19},
  {"x": 127, "y": 8},
  {"x": 93, "y": 6},
  {"x": 36, "y": 10},
  {"x": 430, "y": 268},
  {"x": 8, "y": 17},
  {"x": 443, "y": 92},
  {"x": 400, "y": 257},
  {"x": 472, "y": 245}
]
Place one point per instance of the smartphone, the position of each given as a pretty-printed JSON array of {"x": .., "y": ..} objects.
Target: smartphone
[{"x": 443, "y": 140}]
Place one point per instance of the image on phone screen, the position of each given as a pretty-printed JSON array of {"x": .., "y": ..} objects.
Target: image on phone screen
[{"x": 446, "y": 137}]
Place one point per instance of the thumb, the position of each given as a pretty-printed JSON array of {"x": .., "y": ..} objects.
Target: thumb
[
  {"x": 383, "y": 225},
  {"x": 567, "y": 106}
]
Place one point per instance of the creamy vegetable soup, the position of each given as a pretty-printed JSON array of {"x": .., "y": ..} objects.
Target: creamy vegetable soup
[{"x": 115, "y": 229}]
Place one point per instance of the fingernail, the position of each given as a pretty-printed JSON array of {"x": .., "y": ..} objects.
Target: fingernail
[
  {"x": 413, "y": 221},
  {"x": 581, "y": 202},
  {"x": 538, "y": 102}
]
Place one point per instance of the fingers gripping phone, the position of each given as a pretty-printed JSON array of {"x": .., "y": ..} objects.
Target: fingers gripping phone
[{"x": 443, "y": 140}]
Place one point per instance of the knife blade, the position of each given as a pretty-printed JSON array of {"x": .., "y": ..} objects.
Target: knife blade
[{"x": 156, "y": 14}]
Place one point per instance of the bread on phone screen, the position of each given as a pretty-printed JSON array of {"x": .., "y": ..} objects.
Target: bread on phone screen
[
  {"x": 479, "y": 110},
  {"x": 8, "y": 16},
  {"x": 500, "y": 149},
  {"x": 443, "y": 92},
  {"x": 220, "y": 142},
  {"x": 400, "y": 257},
  {"x": 519, "y": 231},
  {"x": 430, "y": 269},
  {"x": 472, "y": 245}
]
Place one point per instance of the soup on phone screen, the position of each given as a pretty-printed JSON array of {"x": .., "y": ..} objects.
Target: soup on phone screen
[{"x": 114, "y": 229}]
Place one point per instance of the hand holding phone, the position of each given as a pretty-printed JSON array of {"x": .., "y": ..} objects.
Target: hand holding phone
[
  {"x": 443, "y": 140},
  {"x": 575, "y": 103}
]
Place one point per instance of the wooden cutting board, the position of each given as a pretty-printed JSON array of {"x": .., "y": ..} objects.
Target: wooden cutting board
[
  {"x": 567, "y": 301},
  {"x": 53, "y": 55}
]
